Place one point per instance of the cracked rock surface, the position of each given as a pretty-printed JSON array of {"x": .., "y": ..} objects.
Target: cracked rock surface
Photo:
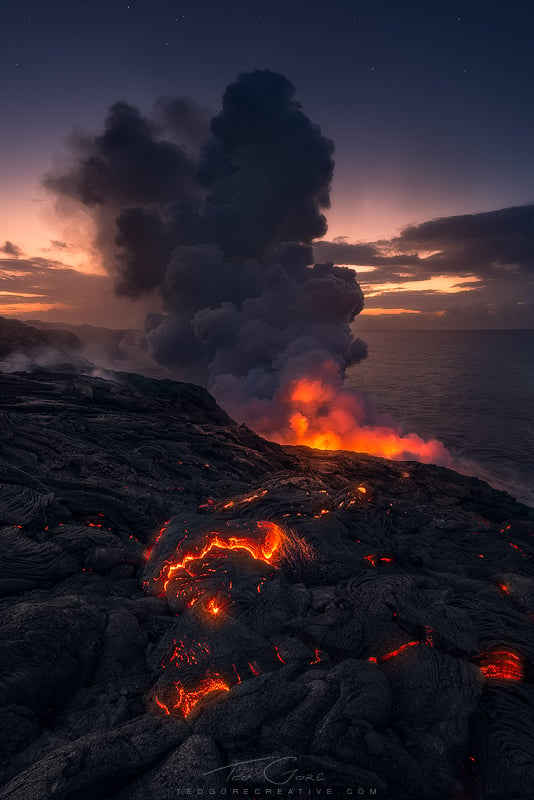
[{"x": 179, "y": 597}]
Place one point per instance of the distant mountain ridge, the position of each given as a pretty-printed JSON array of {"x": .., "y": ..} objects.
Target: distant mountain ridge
[{"x": 22, "y": 345}]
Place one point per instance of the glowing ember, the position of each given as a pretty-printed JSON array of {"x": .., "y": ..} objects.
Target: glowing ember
[
  {"x": 188, "y": 700},
  {"x": 321, "y": 513},
  {"x": 319, "y": 413},
  {"x": 317, "y": 657},
  {"x": 213, "y": 607},
  {"x": 189, "y": 654},
  {"x": 502, "y": 665},
  {"x": 254, "y": 668}
]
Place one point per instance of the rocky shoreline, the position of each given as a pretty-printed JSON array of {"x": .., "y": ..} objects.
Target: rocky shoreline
[{"x": 179, "y": 596}]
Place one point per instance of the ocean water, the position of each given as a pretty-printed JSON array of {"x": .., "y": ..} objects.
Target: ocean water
[{"x": 473, "y": 390}]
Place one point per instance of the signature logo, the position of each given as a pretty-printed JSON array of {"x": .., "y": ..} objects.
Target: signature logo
[{"x": 278, "y": 771}]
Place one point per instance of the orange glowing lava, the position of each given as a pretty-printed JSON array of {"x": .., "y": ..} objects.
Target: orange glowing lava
[
  {"x": 262, "y": 550},
  {"x": 319, "y": 413},
  {"x": 502, "y": 665},
  {"x": 188, "y": 700}
]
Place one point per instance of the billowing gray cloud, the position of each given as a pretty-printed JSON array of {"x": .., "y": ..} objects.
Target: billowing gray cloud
[{"x": 220, "y": 222}]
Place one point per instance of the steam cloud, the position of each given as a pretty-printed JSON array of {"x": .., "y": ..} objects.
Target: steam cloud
[{"x": 220, "y": 221}]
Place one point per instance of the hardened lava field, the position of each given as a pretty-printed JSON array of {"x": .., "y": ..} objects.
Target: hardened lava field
[{"x": 180, "y": 595}]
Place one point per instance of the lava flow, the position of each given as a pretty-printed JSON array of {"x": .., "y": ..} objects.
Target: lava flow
[
  {"x": 187, "y": 700},
  {"x": 319, "y": 413},
  {"x": 262, "y": 550}
]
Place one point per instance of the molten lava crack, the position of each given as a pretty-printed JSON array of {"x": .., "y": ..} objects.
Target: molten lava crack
[{"x": 188, "y": 699}]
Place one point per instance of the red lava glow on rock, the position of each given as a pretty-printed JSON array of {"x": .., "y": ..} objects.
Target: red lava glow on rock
[
  {"x": 187, "y": 700},
  {"x": 502, "y": 665},
  {"x": 279, "y": 657},
  {"x": 374, "y": 560},
  {"x": 241, "y": 501},
  {"x": 429, "y": 640},
  {"x": 254, "y": 668},
  {"x": 393, "y": 653},
  {"x": 319, "y": 413},
  {"x": 148, "y": 551},
  {"x": 317, "y": 656}
]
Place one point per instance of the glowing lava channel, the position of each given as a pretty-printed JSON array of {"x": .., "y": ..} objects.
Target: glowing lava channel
[{"x": 261, "y": 550}]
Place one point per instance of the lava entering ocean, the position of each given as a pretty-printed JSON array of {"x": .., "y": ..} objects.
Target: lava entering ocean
[
  {"x": 247, "y": 311},
  {"x": 320, "y": 413}
]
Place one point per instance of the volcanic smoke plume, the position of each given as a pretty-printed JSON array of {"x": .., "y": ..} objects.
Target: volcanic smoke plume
[{"x": 219, "y": 220}]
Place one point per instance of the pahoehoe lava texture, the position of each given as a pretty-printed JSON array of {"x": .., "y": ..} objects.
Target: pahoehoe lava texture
[{"x": 179, "y": 595}]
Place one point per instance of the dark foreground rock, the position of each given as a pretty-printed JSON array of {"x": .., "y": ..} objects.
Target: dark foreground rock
[{"x": 187, "y": 608}]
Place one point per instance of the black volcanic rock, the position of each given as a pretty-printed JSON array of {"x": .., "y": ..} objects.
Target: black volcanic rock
[{"x": 180, "y": 596}]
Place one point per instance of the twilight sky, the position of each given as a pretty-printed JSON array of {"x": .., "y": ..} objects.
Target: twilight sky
[{"x": 429, "y": 105}]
